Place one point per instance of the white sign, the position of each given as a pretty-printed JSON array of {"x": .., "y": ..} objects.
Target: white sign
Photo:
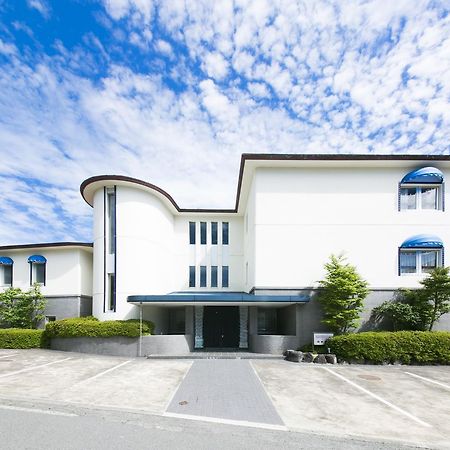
[{"x": 320, "y": 338}]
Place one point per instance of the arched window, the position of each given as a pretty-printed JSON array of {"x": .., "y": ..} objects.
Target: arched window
[
  {"x": 422, "y": 189},
  {"x": 38, "y": 265},
  {"x": 6, "y": 271},
  {"x": 420, "y": 254}
]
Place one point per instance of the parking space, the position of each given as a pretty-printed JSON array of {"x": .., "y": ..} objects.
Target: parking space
[
  {"x": 394, "y": 403},
  {"x": 93, "y": 380},
  {"x": 378, "y": 402}
]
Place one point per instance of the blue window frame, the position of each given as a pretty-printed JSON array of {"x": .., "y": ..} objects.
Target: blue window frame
[
  {"x": 191, "y": 232},
  {"x": 224, "y": 233},
  {"x": 225, "y": 275},
  {"x": 38, "y": 268},
  {"x": 214, "y": 233},
  {"x": 191, "y": 276},
  {"x": 213, "y": 276},
  {"x": 6, "y": 271},
  {"x": 202, "y": 276},
  {"x": 203, "y": 233}
]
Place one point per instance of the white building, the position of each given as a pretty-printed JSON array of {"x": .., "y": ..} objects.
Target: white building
[{"x": 246, "y": 277}]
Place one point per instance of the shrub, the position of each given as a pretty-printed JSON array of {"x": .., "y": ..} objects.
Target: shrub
[
  {"x": 92, "y": 327},
  {"x": 22, "y": 338},
  {"x": 388, "y": 347}
]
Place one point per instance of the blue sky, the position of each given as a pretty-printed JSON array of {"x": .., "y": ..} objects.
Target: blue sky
[{"x": 173, "y": 92}]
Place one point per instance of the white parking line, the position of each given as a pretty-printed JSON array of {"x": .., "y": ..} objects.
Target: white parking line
[
  {"x": 7, "y": 356},
  {"x": 39, "y": 411},
  {"x": 33, "y": 368},
  {"x": 445, "y": 386},
  {"x": 400, "y": 410},
  {"x": 104, "y": 372},
  {"x": 241, "y": 423}
]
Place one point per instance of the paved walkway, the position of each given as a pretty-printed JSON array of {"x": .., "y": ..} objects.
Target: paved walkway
[
  {"x": 224, "y": 389},
  {"x": 218, "y": 355}
]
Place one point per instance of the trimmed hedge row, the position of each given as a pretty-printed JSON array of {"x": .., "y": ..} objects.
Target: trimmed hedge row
[
  {"x": 407, "y": 347},
  {"x": 22, "y": 338},
  {"x": 92, "y": 327}
]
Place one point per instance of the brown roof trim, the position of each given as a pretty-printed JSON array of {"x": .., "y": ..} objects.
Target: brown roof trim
[
  {"x": 341, "y": 157},
  {"x": 49, "y": 244},
  {"x": 91, "y": 180},
  {"x": 262, "y": 157}
]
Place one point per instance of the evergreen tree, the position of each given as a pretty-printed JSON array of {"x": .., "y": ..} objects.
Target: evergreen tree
[{"x": 342, "y": 295}]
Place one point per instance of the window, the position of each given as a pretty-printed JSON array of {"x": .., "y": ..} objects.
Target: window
[
  {"x": 420, "y": 197},
  {"x": 267, "y": 320},
  {"x": 203, "y": 233},
  {"x": 225, "y": 280},
  {"x": 6, "y": 271},
  {"x": 176, "y": 320},
  {"x": 422, "y": 189},
  {"x": 38, "y": 265},
  {"x": 213, "y": 276},
  {"x": 419, "y": 261},
  {"x": 191, "y": 232},
  {"x": 224, "y": 233},
  {"x": 420, "y": 254},
  {"x": 191, "y": 276},
  {"x": 111, "y": 292},
  {"x": 111, "y": 211},
  {"x": 214, "y": 233},
  {"x": 202, "y": 276}
]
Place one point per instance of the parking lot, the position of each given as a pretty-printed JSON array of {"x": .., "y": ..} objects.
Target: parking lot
[{"x": 409, "y": 404}]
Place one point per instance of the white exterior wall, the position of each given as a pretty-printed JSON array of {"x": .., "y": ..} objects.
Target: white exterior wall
[
  {"x": 67, "y": 270},
  {"x": 153, "y": 253},
  {"x": 208, "y": 255},
  {"x": 305, "y": 214},
  {"x": 249, "y": 239},
  {"x": 144, "y": 249}
]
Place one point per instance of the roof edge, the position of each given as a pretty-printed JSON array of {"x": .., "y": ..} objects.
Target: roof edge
[
  {"x": 259, "y": 157},
  {"x": 47, "y": 244}
]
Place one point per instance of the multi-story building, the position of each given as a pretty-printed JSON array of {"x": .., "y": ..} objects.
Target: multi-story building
[{"x": 246, "y": 277}]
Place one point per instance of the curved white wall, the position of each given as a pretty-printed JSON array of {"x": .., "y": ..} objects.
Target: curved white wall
[{"x": 144, "y": 249}]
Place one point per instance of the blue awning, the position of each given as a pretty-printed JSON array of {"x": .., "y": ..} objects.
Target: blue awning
[
  {"x": 217, "y": 297},
  {"x": 423, "y": 241},
  {"x": 424, "y": 175},
  {"x": 6, "y": 261},
  {"x": 37, "y": 259}
]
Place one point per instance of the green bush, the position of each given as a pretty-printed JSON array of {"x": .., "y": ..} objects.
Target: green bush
[
  {"x": 92, "y": 327},
  {"x": 408, "y": 347},
  {"x": 22, "y": 338}
]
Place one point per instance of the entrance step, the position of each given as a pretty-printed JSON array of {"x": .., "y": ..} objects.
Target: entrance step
[{"x": 218, "y": 355}]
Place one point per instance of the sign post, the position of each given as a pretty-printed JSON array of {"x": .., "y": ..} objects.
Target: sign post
[{"x": 320, "y": 338}]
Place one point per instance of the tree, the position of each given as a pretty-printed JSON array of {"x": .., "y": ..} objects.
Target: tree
[
  {"x": 20, "y": 309},
  {"x": 405, "y": 311},
  {"x": 342, "y": 295},
  {"x": 436, "y": 293},
  {"x": 401, "y": 316}
]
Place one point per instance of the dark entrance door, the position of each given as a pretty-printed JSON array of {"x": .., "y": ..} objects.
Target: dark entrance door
[{"x": 221, "y": 326}]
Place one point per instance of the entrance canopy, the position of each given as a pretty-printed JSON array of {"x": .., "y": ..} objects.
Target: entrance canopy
[{"x": 217, "y": 298}]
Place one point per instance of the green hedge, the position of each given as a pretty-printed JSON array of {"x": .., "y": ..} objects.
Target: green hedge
[
  {"x": 22, "y": 338},
  {"x": 92, "y": 327},
  {"x": 408, "y": 347}
]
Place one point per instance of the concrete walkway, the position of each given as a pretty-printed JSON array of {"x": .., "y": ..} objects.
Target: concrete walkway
[{"x": 225, "y": 390}]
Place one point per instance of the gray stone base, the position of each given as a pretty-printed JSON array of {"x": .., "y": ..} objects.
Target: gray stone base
[
  {"x": 272, "y": 344},
  {"x": 125, "y": 346}
]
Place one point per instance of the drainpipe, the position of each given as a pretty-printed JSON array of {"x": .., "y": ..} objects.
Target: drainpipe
[{"x": 140, "y": 329}]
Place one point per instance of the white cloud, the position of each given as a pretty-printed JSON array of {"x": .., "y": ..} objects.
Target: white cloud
[
  {"x": 215, "y": 65},
  {"x": 41, "y": 6},
  {"x": 337, "y": 77}
]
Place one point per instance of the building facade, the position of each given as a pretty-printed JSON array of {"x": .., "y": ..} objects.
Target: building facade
[
  {"x": 63, "y": 270},
  {"x": 247, "y": 277}
]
